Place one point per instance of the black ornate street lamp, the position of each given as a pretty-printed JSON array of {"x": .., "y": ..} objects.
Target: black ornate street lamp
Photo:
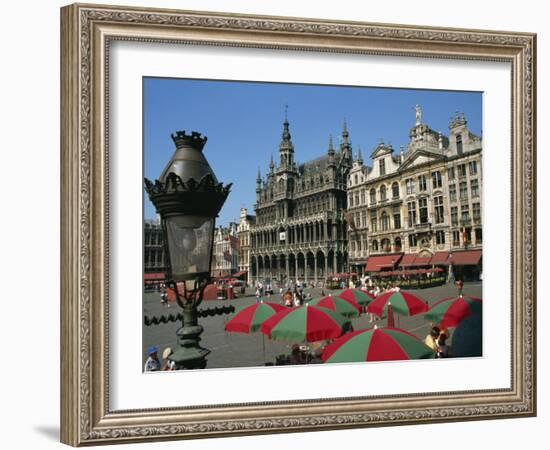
[{"x": 188, "y": 198}]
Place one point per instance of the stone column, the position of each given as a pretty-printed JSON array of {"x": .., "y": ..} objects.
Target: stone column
[
  {"x": 287, "y": 266},
  {"x": 315, "y": 268},
  {"x": 296, "y": 273}
]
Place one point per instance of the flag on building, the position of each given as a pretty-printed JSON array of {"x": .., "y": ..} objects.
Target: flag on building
[
  {"x": 227, "y": 255},
  {"x": 233, "y": 242},
  {"x": 351, "y": 221}
]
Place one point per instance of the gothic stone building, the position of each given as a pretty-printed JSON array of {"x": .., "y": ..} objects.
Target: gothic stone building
[
  {"x": 420, "y": 206},
  {"x": 300, "y": 232}
]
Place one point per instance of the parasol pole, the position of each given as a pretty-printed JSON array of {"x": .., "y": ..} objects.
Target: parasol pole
[{"x": 263, "y": 347}]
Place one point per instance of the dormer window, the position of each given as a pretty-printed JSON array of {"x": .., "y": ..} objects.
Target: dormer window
[
  {"x": 459, "y": 149},
  {"x": 382, "y": 166}
]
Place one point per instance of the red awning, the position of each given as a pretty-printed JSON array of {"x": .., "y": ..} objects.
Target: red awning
[
  {"x": 408, "y": 260},
  {"x": 422, "y": 261},
  {"x": 239, "y": 274},
  {"x": 440, "y": 259},
  {"x": 467, "y": 258},
  {"x": 153, "y": 276},
  {"x": 377, "y": 263}
]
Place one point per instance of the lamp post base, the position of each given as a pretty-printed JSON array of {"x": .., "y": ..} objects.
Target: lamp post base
[{"x": 190, "y": 355}]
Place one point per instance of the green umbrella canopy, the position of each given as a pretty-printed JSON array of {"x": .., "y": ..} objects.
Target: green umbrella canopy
[
  {"x": 361, "y": 297},
  {"x": 305, "y": 324},
  {"x": 449, "y": 312},
  {"x": 249, "y": 318},
  {"x": 348, "y": 308},
  {"x": 402, "y": 302},
  {"x": 376, "y": 344}
]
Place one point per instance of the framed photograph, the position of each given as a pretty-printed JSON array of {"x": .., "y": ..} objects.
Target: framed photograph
[{"x": 281, "y": 224}]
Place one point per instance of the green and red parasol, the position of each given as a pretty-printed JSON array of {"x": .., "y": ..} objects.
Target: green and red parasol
[
  {"x": 361, "y": 297},
  {"x": 449, "y": 312},
  {"x": 249, "y": 319},
  {"x": 376, "y": 344},
  {"x": 402, "y": 302},
  {"x": 348, "y": 308},
  {"x": 305, "y": 324}
]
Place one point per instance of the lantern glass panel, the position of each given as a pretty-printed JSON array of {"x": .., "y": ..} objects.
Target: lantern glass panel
[{"x": 189, "y": 241}]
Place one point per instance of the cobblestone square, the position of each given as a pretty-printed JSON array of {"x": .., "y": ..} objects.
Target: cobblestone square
[{"x": 242, "y": 350}]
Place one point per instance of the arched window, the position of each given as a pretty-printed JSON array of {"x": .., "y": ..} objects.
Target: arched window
[
  {"x": 397, "y": 244},
  {"x": 372, "y": 196},
  {"x": 384, "y": 221},
  {"x": 386, "y": 245},
  {"x": 395, "y": 190},
  {"x": 382, "y": 193},
  {"x": 374, "y": 245}
]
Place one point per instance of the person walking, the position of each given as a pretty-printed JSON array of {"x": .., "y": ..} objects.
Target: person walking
[
  {"x": 459, "y": 286},
  {"x": 164, "y": 299}
]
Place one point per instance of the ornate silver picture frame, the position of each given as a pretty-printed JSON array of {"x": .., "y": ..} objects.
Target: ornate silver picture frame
[{"x": 87, "y": 34}]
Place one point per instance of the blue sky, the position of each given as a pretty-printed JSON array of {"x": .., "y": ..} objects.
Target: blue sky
[{"x": 243, "y": 123}]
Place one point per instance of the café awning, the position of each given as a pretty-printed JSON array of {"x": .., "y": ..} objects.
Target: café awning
[
  {"x": 378, "y": 263},
  {"x": 466, "y": 258},
  {"x": 153, "y": 276},
  {"x": 408, "y": 260},
  {"x": 422, "y": 261},
  {"x": 440, "y": 259}
]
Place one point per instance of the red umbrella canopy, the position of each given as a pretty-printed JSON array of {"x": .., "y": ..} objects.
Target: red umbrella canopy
[
  {"x": 249, "y": 319},
  {"x": 376, "y": 344},
  {"x": 348, "y": 308},
  {"x": 305, "y": 324},
  {"x": 402, "y": 302},
  {"x": 449, "y": 312},
  {"x": 361, "y": 297}
]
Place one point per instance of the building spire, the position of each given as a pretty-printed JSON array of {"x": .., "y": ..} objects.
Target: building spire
[
  {"x": 271, "y": 164},
  {"x": 359, "y": 155},
  {"x": 345, "y": 145},
  {"x": 286, "y": 148},
  {"x": 345, "y": 133},
  {"x": 330, "y": 145},
  {"x": 418, "y": 113}
]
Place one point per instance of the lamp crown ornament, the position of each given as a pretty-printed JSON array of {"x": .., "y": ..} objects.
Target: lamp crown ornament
[
  {"x": 187, "y": 185},
  {"x": 195, "y": 139}
]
